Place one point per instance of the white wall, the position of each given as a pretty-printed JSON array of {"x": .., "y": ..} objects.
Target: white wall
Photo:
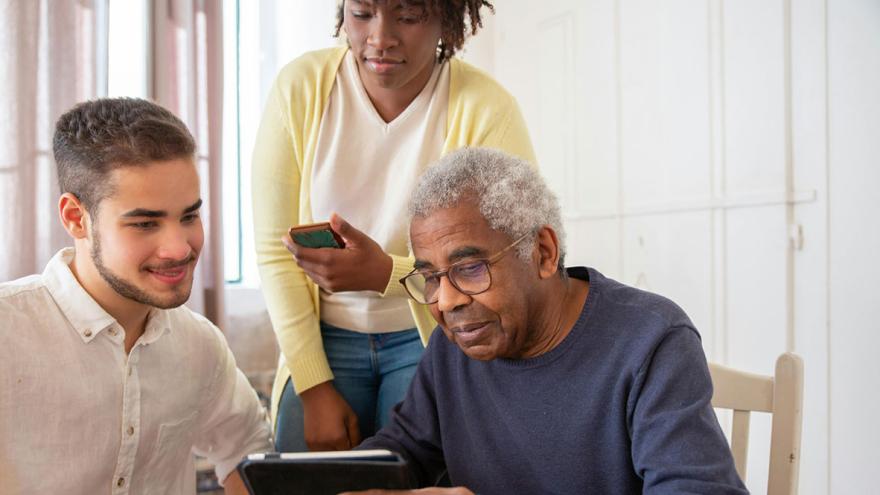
[{"x": 854, "y": 243}]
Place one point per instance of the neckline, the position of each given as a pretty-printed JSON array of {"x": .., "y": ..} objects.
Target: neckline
[{"x": 421, "y": 100}]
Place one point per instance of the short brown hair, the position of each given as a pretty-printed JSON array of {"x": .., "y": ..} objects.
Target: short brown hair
[
  {"x": 95, "y": 137},
  {"x": 452, "y": 15}
]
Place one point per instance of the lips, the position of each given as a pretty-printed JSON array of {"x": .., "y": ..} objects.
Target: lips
[
  {"x": 471, "y": 333},
  {"x": 170, "y": 276},
  {"x": 383, "y": 65}
]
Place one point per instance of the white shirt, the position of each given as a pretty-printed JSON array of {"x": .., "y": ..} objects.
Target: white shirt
[
  {"x": 78, "y": 415},
  {"x": 365, "y": 170}
]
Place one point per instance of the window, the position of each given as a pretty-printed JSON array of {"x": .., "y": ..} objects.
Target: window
[
  {"x": 127, "y": 48},
  {"x": 259, "y": 38}
]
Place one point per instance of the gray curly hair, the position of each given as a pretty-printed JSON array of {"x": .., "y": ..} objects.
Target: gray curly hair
[{"x": 512, "y": 195}]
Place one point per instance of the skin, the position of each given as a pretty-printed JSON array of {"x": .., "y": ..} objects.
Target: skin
[
  {"x": 395, "y": 50},
  {"x": 140, "y": 249},
  {"x": 521, "y": 315}
]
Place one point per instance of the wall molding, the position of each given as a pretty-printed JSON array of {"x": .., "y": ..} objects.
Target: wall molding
[{"x": 694, "y": 204}]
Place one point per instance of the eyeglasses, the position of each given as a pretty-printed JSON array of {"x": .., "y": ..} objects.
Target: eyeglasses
[{"x": 467, "y": 276}]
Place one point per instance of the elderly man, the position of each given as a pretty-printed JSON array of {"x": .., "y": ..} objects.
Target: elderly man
[{"x": 544, "y": 379}]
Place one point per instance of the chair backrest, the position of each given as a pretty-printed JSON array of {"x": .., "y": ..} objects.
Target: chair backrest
[{"x": 782, "y": 396}]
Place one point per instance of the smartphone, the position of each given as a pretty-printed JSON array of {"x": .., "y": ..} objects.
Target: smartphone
[{"x": 316, "y": 235}]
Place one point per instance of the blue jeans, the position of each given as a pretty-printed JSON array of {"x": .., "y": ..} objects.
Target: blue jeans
[{"x": 372, "y": 373}]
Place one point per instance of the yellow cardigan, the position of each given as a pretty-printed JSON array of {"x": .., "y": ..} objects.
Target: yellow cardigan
[{"x": 481, "y": 113}]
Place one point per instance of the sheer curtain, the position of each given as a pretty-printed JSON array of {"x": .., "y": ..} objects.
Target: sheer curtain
[
  {"x": 53, "y": 55},
  {"x": 187, "y": 78},
  {"x": 49, "y": 51}
]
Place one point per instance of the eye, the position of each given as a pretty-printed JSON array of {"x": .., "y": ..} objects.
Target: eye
[
  {"x": 144, "y": 225},
  {"x": 360, "y": 14},
  {"x": 471, "y": 270},
  {"x": 190, "y": 218}
]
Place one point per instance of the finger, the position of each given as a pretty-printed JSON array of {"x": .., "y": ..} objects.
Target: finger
[
  {"x": 346, "y": 230},
  {"x": 289, "y": 244},
  {"x": 318, "y": 270},
  {"x": 354, "y": 432}
]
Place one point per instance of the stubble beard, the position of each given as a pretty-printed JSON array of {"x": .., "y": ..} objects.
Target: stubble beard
[{"x": 131, "y": 291}]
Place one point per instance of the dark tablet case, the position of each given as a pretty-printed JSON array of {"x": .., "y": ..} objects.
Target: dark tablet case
[{"x": 275, "y": 476}]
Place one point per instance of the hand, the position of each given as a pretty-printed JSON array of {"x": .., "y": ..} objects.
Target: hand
[
  {"x": 329, "y": 422},
  {"x": 360, "y": 265},
  {"x": 233, "y": 485},
  {"x": 458, "y": 490}
]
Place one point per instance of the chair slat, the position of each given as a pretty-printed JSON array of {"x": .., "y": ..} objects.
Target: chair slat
[
  {"x": 739, "y": 441},
  {"x": 740, "y": 390}
]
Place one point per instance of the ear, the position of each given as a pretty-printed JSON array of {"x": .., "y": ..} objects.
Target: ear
[
  {"x": 73, "y": 216},
  {"x": 547, "y": 248}
]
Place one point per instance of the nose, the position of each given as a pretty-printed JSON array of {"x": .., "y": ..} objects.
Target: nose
[
  {"x": 382, "y": 35},
  {"x": 175, "y": 245},
  {"x": 449, "y": 298}
]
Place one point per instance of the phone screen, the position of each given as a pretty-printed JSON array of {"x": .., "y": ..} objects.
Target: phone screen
[{"x": 315, "y": 239}]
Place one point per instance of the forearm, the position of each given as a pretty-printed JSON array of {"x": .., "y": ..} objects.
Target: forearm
[{"x": 276, "y": 183}]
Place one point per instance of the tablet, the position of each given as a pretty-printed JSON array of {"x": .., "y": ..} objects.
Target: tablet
[{"x": 319, "y": 473}]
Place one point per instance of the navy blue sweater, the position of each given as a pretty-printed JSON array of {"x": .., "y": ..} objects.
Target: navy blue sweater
[{"x": 622, "y": 405}]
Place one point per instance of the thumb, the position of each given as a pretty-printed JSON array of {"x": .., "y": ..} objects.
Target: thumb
[
  {"x": 354, "y": 432},
  {"x": 350, "y": 234}
]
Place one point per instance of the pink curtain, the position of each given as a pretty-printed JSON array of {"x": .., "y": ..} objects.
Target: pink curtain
[
  {"x": 187, "y": 78},
  {"x": 48, "y": 50}
]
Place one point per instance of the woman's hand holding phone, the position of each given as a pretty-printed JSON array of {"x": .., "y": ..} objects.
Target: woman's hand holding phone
[{"x": 361, "y": 264}]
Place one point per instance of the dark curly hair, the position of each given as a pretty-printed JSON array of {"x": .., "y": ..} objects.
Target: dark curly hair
[
  {"x": 452, "y": 15},
  {"x": 95, "y": 137}
]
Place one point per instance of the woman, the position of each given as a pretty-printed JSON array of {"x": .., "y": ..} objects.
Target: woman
[{"x": 345, "y": 134}]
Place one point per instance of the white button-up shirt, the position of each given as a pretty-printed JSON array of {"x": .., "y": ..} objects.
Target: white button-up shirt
[{"x": 78, "y": 415}]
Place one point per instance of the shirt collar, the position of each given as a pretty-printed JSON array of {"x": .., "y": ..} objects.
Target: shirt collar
[
  {"x": 158, "y": 324},
  {"x": 85, "y": 315}
]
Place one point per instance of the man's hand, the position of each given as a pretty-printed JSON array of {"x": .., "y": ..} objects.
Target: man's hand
[
  {"x": 234, "y": 485},
  {"x": 360, "y": 265},
  {"x": 330, "y": 423},
  {"x": 458, "y": 490}
]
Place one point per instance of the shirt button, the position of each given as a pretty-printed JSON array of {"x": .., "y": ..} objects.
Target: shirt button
[
  {"x": 131, "y": 430},
  {"x": 87, "y": 333},
  {"x": 113, "y": 331},
  {"x": 120, "y": 482}
]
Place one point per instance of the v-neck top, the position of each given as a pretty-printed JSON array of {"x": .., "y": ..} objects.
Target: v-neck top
[{"x": 361, "y": 165}]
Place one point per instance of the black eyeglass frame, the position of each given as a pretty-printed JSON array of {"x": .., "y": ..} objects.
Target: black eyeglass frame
[{"x": 491, "y": 260}]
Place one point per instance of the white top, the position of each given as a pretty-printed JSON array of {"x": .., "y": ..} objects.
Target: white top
[
  {"x": 78, "y": 415},
  {"x": 365, "y": 170}
]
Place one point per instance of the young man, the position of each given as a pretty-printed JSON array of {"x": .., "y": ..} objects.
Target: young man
[
  {"x": 543, "y": 379},
  {"x": 107, "y": 383}
]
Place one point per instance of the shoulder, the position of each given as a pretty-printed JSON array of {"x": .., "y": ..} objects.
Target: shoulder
[
  {"x": 16, "y": 295},
  {"x": 471, "y": 85},
  {"x": 309, "y": 68},
  {"x": 627, "y": 325},
  {"x": 640, "y": 308}
]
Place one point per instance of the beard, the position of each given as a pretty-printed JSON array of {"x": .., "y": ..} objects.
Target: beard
[{"x": 131, "y": 291}]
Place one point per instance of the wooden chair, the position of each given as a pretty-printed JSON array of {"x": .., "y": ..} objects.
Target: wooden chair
[{"x": 782, "y": 396}]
